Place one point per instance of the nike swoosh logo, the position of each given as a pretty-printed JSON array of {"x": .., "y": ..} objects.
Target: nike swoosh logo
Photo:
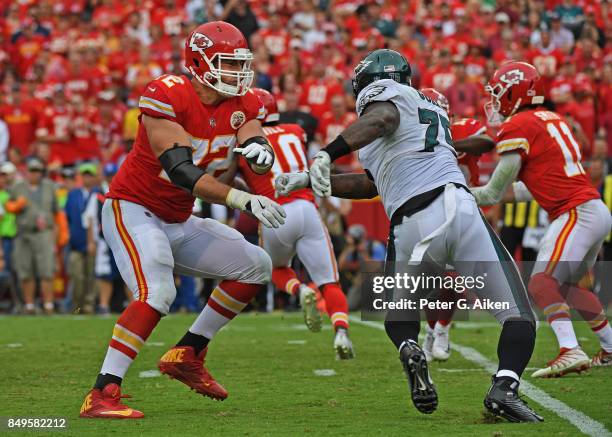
[
  {"x": 127, "y": 412},
  {"x": 421, "y": 383},
  {"x": 151, "y": 89}
]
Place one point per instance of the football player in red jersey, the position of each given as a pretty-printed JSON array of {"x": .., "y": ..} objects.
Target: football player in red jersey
[
  {"x": 187, "y": 133},
  {"x": 538, "y": 147},
  {"x": 303, "y": 232},
  {"x": 470, "y": 139}
]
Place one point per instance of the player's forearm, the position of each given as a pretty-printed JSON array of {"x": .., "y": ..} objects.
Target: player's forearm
[
  {"x": 353, "y": 186},
  {"x": 211, "y": 190},
  {"x": 475, "y": 145},
  {"x": 505, "y": 173}
]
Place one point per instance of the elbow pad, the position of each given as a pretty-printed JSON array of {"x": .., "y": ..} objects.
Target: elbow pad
[{"x": 178, "y": 164}]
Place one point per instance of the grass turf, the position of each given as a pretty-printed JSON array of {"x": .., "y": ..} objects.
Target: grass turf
[{"x": 269, "y": 372}]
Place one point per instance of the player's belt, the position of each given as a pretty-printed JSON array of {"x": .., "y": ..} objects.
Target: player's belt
[{"x": 419, "y": 202}]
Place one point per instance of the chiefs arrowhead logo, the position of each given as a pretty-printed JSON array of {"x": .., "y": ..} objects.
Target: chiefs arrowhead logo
[
  {"x": 200, "y": 42},
  {"x": 512, "y": 77}
]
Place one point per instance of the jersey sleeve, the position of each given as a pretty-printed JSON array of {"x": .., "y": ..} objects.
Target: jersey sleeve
[
  {"x": 384, "y": 90},
  {"x": 164, "y": 98},
  {"x": 511, "y": 138},
  {"x": 253, "y": 107}
]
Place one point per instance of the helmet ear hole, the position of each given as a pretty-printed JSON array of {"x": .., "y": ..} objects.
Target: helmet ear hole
[
  {"x": 509, "y": 94},
  {"x": 196, "y": 62}
]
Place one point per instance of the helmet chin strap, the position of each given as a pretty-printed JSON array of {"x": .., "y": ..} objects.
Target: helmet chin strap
[
  {"x": 516, "y": 106},
  {"x": 220, "y": 86}
]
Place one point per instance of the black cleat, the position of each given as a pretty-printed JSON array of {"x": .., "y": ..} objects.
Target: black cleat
[
  {"x": 422, "y": 388},
  {"x": 504, "y": 401}
]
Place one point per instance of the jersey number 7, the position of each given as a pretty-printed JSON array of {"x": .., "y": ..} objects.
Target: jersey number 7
[{"x": 433, "y": 119}]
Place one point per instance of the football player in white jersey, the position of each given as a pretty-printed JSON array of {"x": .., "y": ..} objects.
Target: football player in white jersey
[{"x": 405, "y": 146}]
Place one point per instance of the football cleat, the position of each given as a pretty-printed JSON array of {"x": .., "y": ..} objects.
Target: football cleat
[
  {"x": 503, "y": 400},
  {"x": 106, "y": 404},
  {"x": 343, "y": 345},
  {"x": 182, "y": 364},
  {"x": 422, "y": 388},
  {"x": 568, "y": 361},
  {"x": 601, "y": 359},
  {"x": 428, "y": 343},
  {"x": 441, "y": 348},
  {"x": 308, "y": 302}
]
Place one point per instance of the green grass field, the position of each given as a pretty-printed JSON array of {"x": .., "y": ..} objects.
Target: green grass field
[{"x": 267, "y": 363}]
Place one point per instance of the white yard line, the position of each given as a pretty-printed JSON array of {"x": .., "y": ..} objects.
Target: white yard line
[{"x": 584, "y": 423}]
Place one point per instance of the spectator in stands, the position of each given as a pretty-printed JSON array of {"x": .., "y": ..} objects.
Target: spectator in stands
[
  {"x": 8, "y": 227},
  {"x": 571, "y": 15},
  {"x": 20, "y": 116},
  {"x": 331, "y": 125},
  {"x": 239, "y": 13},
  {"x": 358, "y": 251},
  {"x": 292, "y": 114},
  {"x": 34, "y": 203},
  {"x": 463, "y": 95},
  {"x": 82, "y": 253},
  {"x": 4, "y": 140},
  {"x": 560, "y": 36},
  {"x": 106, "y": 271},
  {"x": 142, "y": 72}
]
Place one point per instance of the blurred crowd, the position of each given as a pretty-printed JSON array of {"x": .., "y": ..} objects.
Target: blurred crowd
[{"x": 71, "y": 72}]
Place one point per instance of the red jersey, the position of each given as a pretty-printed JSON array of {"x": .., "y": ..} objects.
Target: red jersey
[
  {"x": 21, "y": 122},
  {"x": 85, "y": 130},
  {"x": 276, "y": 41},
  {"x": 465, "y": 128},
  {"x": 317, "y": 94},
  {"x": 212, "y": 129},
  {"x": 56, "y": 122},
  {"x": 289, "y": 144},
  {"x": 551, "y": 167}
]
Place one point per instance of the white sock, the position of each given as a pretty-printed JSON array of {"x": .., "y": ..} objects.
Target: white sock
[
  {"x": 507, "y": 374},
  {"x": 208, "y": 323},
  {"x": 116, "y": 363},
  {"x": 441, "y": 328},
  {"x": 605, "y": 337},
  {"x": 565, "y": 333}
]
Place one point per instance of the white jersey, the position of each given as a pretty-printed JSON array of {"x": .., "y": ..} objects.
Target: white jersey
[{"x": 418, "y": 156}]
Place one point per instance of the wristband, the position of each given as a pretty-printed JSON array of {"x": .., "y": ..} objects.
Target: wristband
[{"x": 337, "y": 148}]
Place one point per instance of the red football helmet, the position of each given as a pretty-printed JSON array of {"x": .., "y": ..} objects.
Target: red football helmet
[
  {"x": 269, "y": 102},
  {"x": 513, "y": 85},
  {"x": 211, "y": 44},
  {"x": 437, "y": 97}
]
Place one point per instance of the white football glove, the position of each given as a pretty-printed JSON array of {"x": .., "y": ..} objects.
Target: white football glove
[
  {"x": 267, "y": 211},
  {"x": 288, "y": 182},
  {"x": 256, "y": 150},
  {"x": 320, "y": 171}
]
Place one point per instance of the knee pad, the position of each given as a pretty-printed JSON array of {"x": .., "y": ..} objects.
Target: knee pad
[
  {"x": 162, "y": 297},
  {"x": 261, "y": 273}
]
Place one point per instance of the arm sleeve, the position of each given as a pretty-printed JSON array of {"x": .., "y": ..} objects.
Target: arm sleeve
[
  {"x": 253, "y": 107},
  {"x": 505, "y": 173}
]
